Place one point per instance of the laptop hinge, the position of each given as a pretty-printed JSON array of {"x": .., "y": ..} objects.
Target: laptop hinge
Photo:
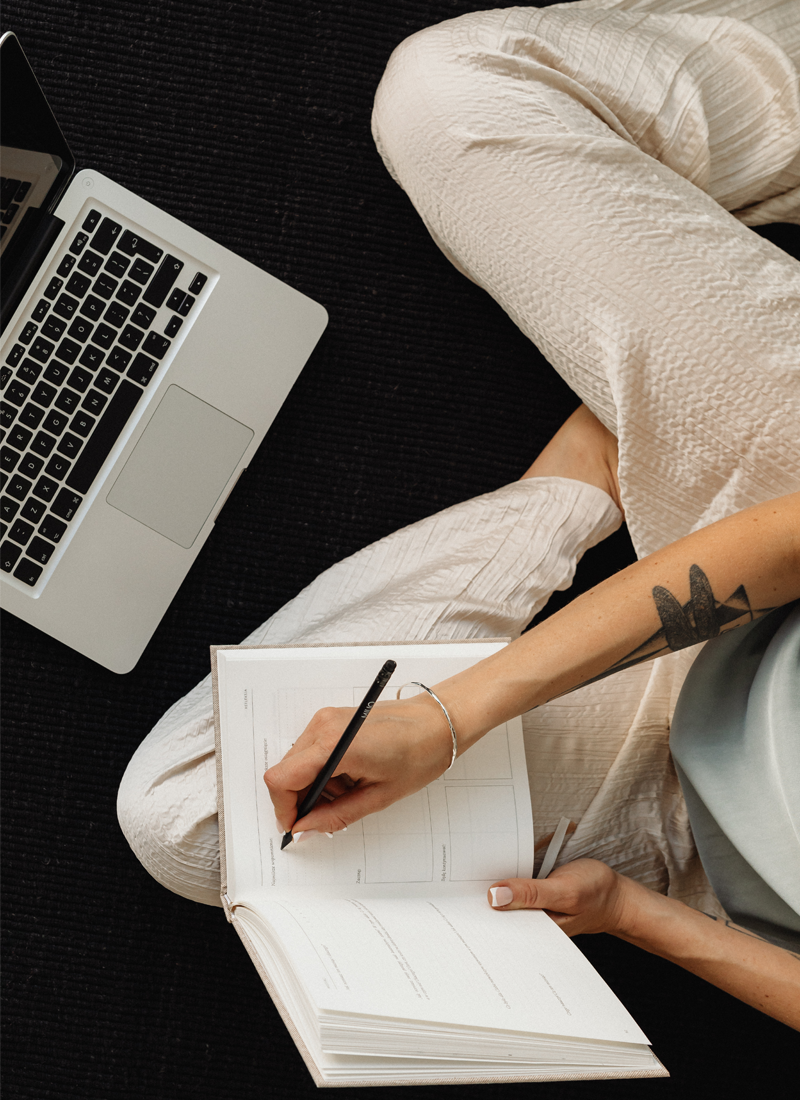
[{"x": 27, "y": 267}]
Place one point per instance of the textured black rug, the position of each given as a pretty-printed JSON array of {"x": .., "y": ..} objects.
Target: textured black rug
[{"x": 250, "y": 121}]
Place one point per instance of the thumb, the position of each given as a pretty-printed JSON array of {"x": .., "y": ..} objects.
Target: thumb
[{"x": 527, "y": 893}]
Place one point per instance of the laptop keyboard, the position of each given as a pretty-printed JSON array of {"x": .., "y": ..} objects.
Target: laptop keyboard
[
  {"x": 12, "y": 195},
  {"x": 73, "y": 377}
]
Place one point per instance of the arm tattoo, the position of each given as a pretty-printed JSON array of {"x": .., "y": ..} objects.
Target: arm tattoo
[{"x": 747, "y": 932}]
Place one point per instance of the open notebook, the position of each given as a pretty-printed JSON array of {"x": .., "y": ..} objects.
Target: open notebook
[{"x": 378, "y": 947}]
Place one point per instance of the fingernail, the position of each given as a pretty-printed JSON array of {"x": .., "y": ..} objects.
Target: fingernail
[
  {"x": 280, "y": 828},
  {"x": 501, "y": 895},
  {"x": 329, "y": 835},
  {"x": 308, "y": 833}
]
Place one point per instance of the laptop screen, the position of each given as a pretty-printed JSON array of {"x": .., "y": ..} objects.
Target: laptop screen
[{"x": 35, "y": 161}]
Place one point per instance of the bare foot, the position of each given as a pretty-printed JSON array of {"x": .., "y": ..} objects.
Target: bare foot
[{"x": 582, "y": 449}]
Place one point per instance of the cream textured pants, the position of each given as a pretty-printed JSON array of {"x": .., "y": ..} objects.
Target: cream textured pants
[{"x": 594, "y": 166}]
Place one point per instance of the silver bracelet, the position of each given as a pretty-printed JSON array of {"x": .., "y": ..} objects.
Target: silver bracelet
[{"x": 433, "y": 695}]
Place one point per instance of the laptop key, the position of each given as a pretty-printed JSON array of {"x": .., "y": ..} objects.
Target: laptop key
[
  {"x": 18, "y": 487},
  {"x": 104, "y": 436},
  {"x": 66, "y": 306},
  {"x": 78, "y": 285},
  {"x": 5, "y": 374},
  {"x": 90, "y": 262},
  {"x": 17, "y": 392},
  {"x": 80, "y": 379},
  {"x": 143, "y": 316},
  {"x": 104, "y": 336},
  {"x": 43, "y": 444},
  {"x": 156, "y": 345},
  {"x": 128, "y": 292},
  {"x": 8, "y": 508},
  {"x": 80, "y": 329},
  {"x": 186, "y": 305},
  {"x": 69, "y": 445},
  {"x": 79, "y": 243},
  {"x": 33, "y": 509},
  {"x": 53, "y": 287},
  {"x": 91, "y": 220},
  {"x": 163, "y": 281},
  {"x": 198, "y": 282},
  {"x": 31, "y": 416},
  {"x": 40, "y": 551},
  {"x": 94, "y": 402},
  {"x": 15, "y": 355},
  {"x": 106, "y": 236},
  {"x": 175, "y": 300},
  {"x": 55, "y": 422},
  {"x": 65, "y": 266},
  {"x": 118, "y": 359},
  {"x": 68, "y": 400},
  {"x": 40, "y": 311},
  {"x": 131, "y": 337},
  {"x": 56, "y": 372},
  {"x": 93, "y": 307},
  {"x": 142, "y": 369},
  {"x": 117, "y": 264},
  {"x": 30, "y": 466},
  {"x": 173, "y": 325},
  {"x": 45, "y": 488},
  {"x": 8, "y": 459},
  {"x": 106, "y": 381},
  {"x": 116, "y": 315},
  {"x": 82, "y": 423},
  {"x": 28, "y": 332},
  {"x": 28, "y": 572},
  {"x": 136, "y": 246},
  {"x": 44, "y": 394},
  {"x": 66, "y": 504},
  {"x": 19, "y": 437},
  {"x": 20, "y": 532},
  {"x": 105, "y": 286},
  {"x": 53, "y": 328},
  {"x": 29, "y": 371},
  {"x": 8, "y": 556},
  {"x": 141, "y": 271},
  {"x": 41, "y": 349},
  {"x": 92, "y": 357},
  {"x": 52, "y": 528},
  {"x": 57, "y": 467}
]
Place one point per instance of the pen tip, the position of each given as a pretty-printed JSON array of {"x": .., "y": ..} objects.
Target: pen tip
[{"x": 287, "y": 839}]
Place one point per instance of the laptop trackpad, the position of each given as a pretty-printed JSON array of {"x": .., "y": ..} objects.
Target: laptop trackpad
[{"x": 180, "y": 466}]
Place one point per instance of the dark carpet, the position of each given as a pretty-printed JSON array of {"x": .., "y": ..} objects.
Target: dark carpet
[{"x": 249, "y": 120}]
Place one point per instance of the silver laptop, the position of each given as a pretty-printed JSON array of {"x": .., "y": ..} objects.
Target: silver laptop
[{"x": 142, "y": 365}]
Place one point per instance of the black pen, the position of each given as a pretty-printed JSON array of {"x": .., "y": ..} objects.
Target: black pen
[{"x": 342, "y": 745}]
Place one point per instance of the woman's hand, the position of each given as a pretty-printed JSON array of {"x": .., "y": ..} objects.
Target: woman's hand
[
  {"x": 582, "y": 896},
  {"x": 400, "y": 748}
]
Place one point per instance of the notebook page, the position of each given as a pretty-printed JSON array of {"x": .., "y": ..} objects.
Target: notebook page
[{"x": 472, "y": 824}]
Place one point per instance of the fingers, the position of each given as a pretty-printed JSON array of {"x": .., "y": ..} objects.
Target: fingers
[{"x": 582, "y": 896}]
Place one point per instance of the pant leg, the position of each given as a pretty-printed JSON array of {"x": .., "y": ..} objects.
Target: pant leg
[
  {"x": 479, "y": 569},
  {"x": 582, "y": 163}
]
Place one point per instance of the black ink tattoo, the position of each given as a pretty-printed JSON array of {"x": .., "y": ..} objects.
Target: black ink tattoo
[{"x": 747, "y": 932}]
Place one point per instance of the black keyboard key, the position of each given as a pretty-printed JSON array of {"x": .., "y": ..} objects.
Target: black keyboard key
[
  {"x": 33, "y": 510},
  {"x": 92, "y": 357},
  {"x": 68, "y": 351},
  {"x": 136, "y": 246},
  {"x": 15, "y": 355},
  {"x": 105, "y": 435},
  {"x": 29, "y": 371},
  {"x": 52, "y": 528},
  {"x": 8, "y": 190},
  {"x": 66, "y": 504},
  {"x": 173, "y": 325},
  {"x": 105, "y": 286},
  {"x": 163, "y": 281},
  {"x": 43, "y": 444},
  {"x": 117, "y": 265},
  {"x": 41, "y": 349},
  {"x": 94, "y": 402},
  {"x": 53, "y": 328},
  {"x": 40, "y": 551},
  {"x": 143, "y": 316},
  {"x": 106, "y": 236},
  {"x": 128, "y": 292},
  {"x": 118, "y": 359},
  {"x": 31, "y": 416},
  {"x": 56, "y": 372},
  {"x": 66, "y": 306},
  {"x": 55, "y": 422},
  {"x": 188, "y": 302},
  {"x": 93, "y": 308},
  {"x": 90, "y": 262},
  {"x": 19, "y": 437},
  {"x": 69, "y": 445},
  {"x": 28, "y": 572},
  {"x": 78, "y": 285},
  {"x": 20, "y": 532},
  {"x": 40, "y": 310},
  {"x": 79, "y": 243},
  {"x": 45, "y": 488},
  {"x": 8, "y": 508},
  {"x": 43, "y": 394},
  {"x": 30, "y": 466},
  {"x": 91, "y": 220},
  {"x": 82, "y": 423},
  {"x": 28, "y": 332},
  {"x": 17, "y": 392},
  {"x": 57, "y": 467},
  {"x": 80, "y": 379},
  {"x": 131, "y": 337},
  {"x": 68, "y": 400},
  {"x": 198, "y": 282},
  {"x": 53, "y": 288},
  {"x": 8, "y": 459},
  {"x": 106, "y": 381},
  {"x": 116, "y": 315},
  {"x": 65, "y": 266},
  {"x": 5, "y": 374},
  {"x": 80, "y": 329},
  {"x": 104, "y": 336},
  {"x": 175, "y": 300},
  {"x": 18, "y": 487},
  {"x": 8, "y": 556},
  {"x": 156, "y": 345},
  {"x": 142, "y": 369},
  {"x": 141, "y": 271}
]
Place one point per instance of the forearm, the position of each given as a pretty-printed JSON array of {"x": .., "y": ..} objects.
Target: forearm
[
  {"x": 677, "y": 597},
  {"x": 749, "y": 968}
]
